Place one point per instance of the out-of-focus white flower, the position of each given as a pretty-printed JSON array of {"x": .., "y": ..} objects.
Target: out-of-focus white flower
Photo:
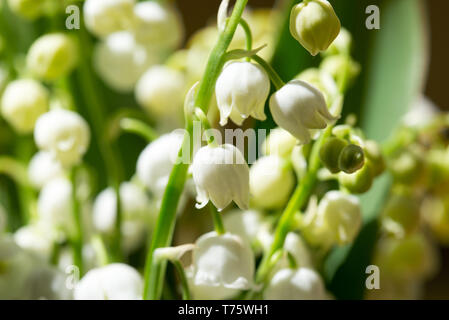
[
  {"x": 314, "y": 24},
  {"x": 47, "y": 282},
  {"x": 107, "y": 16},
  {"x": 35, "y": 238},
  {"x": 242, "y": 87},
  {"x": 116, "y": 281},
  {"x": 52, "y": 56},
  {"x": 295, "y": 245},
  {"x": 63, "y": 133},
  {"x": 421, "y": 113},
  {"x": 29, "y": 9},
  {"x": 156, "y": 161},
  {"x": 298, "y": 107},
  {"x": 158, "y": 25},
  {"x": 54, "y": 205},
  {"x": 223, "y": 261},
  {"x": 43, "y": 167},
  {"x": 245, "y": 224},
  {"x": 206, "y": 292},
  {"x": 221, "y": 175},
  {"x": 136, "y": 213},
  {"x": 342, "y": 43},
  {"x": 336, "y": 65},
  {"x": 160, "y": 91},
  {"x": 23, "y": 102},
  {"x": 270, "y": 182},
  {"x": 128, "y": 58},
  {"x": 323, "y": 82},
  {"x": 337, "y": 220},
  {"x": 300, "y": 284},
  {"x": 279, "y": 142}
]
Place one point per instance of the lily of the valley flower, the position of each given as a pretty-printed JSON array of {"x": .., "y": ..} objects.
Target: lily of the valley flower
[
  {"x": 314, "y": 24},
  {"x": 43, "y": 168},
  {"x": 63, "y": 133},
  {"x": 221, "y": 175},
  {"x": 245, "y": 224},
  {"x": 116, "y": 281},
  {"x": 23, "y": 101},
  {"x": 279, "y": 142},
  {"x": 298, "y": 107},
  {"x": 300, "y": 284},
  {"x": 223, "y": 261},
  {"x": 242, "y": 89}
]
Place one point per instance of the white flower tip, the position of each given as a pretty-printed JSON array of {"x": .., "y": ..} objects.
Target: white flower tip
[
  {"x": 222, "y": 15},
  {"x": 172, "y": 253}
]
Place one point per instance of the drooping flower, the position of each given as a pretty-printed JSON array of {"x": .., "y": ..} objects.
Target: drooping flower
[
  {"x": 221, "y": 175},
  {"x": 36, "y": 238},
  {"x": 107, "y": 16},
  {"x": 115, "y": 281},
  {"x": 23, "y": 101},
  {"x": 314, "y": 24},
  {"x": 223, "y": 261},
  {"x": 52, "y": 56},
  {"x": 43, "y": 168},
  {"x": 63, "y": 133},
  {"x": 245, "y": 224},
  {"x": 298, "y": 107},
  {"x": 242, "y": 89}
]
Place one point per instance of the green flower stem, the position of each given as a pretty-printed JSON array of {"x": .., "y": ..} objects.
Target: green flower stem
[
  {"x": 248, "y": 35},
  {"x": 138, "y": 127},
  {"x": 218, "y": 222},
  {"x": 77, "y": 238},
  {"x": 100, "y": 250},
  {"x": 165, "y": 224},
  {"x": 277, "y": 81},
  {"x": 183, "y": 279},
  {"x": 15, "y": 170},
  {"x": 298, "y": 200},
  {"x": 97, "y": 116}
]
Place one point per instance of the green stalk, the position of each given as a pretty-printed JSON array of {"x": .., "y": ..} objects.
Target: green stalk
[
  {"x": 218, "y": 222},
  {"x": 138, "y": 127},
  {"x": 183, "y": 279},
  {"x": 165, "y": 224},
  {"x": 298, "y": 200},
  {"x": 77, "y": 239},
  {"x": 275, "y": 78}
]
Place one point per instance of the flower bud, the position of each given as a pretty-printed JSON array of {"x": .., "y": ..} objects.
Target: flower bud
[
  {"x": 406, "y": 167},
  {"x": 52, "y": 56},
  {"x": 221, "y": 175},
  {"x": 339, "y": 65},
  {"x": 63, "y": 133},
  {"x": 115, "y": 281},
  {"x": 314, "y": 24},
  {"x": 351, "y": 158},
  {"x": 223, "y": 261},
  {"x": 157, "y": 25},
  {"x": 295, "y": 248},
  {"x": 43, "y": 168},
  {"x": 279, "y": 142},
  {"x": 401, "y": 214},
  {"x": 330, "y": 152},
  {"x": 129, "y": 59},
  {"x": 359, "y": 181},
  {"x": 374, "y": 156},
  {"x": 298, "y": 107},
  {"x": 300, "y": 284},
  {"x": 245, "y": 224},
  {"x": 341, "y": 45},
  {"x": 435, "y": 212},
  {"x": 135, "y": 211},
  {"x": 107, "y": 16},
  {"x": 270, "y": 182},
  {"x": 156, "y": 161},
  {"x": 160, "y": 91},
  {"x": 242, "y": 87},
  {"x": 28, "y": 9},
  {"x": 36, "y": 239},
  {"x": 23, "y": 102}
]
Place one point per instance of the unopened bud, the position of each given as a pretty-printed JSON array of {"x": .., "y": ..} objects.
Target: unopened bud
[
  {"x": 330, "y": 153},
  {"x": 351, "y": 158},
  {"x": 358, "y": 182}
]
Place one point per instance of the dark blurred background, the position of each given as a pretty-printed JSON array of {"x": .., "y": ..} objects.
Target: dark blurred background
[{"x": 197, "y": 14}]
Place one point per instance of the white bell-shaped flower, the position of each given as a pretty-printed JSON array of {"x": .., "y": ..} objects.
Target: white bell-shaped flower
[
  {"x": 221, "y": 175},
  {"x": 279, "y": 142},
  {"x": 298, "y": 107},
  {"x": 136, "y": 213},
  {"x": 43, "y": 168},
  {"x": 245, "y": 224},
  {"x": 158, "y": 25},
  {"x": 23, "y": 101},
  {"x": 63, "y": 133},
  {"x": 161, "y": 90},
  {"x": 300, "y": 284},
  {"x": 223, "y": 261},
  {"x": 295, "y": 245},
  {"x": 271, "y": 181},
  {"x": 54, "y": 205},
  {"x": 242, "y": 89},
  {"x": 115, "y": 281},
  {"x": 36, "y": 238},
  {"x": 107, "y": 16},
  {"x": 337, "y": 220},
  {"x": 129, "y": 58},
  {"x": 156, "y": 161}
]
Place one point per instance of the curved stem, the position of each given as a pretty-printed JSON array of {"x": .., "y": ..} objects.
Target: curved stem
[
  {"x": 298, "y": 200},
  {"x": 275, "y": 78},
  {"x": 138, "y": 127},
  {"x": 248, "y": 35},
  {"x": 183, "y": 279},
  {"x": 15, "y": 170},
  {"x": 218, "y": 222},
  {"x": 165, "y": 224}
]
